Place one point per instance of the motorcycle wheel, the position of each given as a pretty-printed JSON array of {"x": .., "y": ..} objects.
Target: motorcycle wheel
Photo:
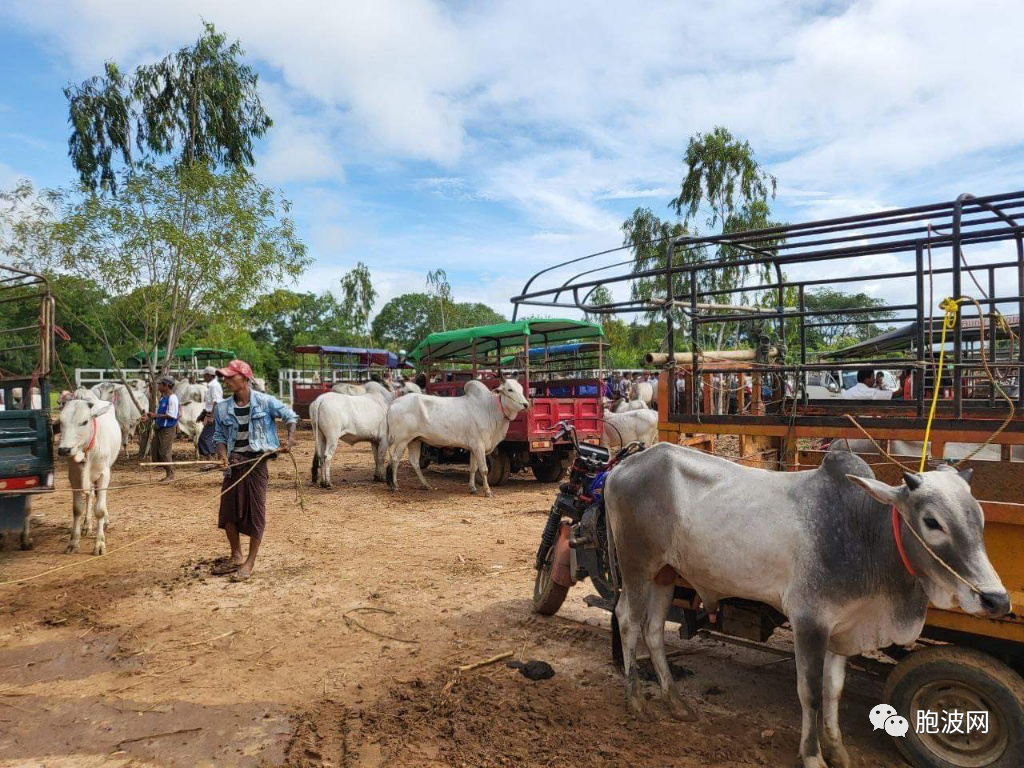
[{"x": 547, "y": 595}]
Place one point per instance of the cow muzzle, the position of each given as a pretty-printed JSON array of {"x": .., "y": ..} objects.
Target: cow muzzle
[
  {"x": 63, "y": 451},
  {"x": 994, "y": 604}
]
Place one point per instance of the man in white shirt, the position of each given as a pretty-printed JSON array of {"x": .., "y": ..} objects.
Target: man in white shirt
[
  {"x": 864, "y": 389},
  {"x": 214, "y": 394}
]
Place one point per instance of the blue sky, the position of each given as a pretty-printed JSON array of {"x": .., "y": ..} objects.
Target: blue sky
[{"x": 492, "y": 139}]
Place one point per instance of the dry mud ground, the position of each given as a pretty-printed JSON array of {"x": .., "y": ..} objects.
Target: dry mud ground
[{"x": 341, "y": 650}]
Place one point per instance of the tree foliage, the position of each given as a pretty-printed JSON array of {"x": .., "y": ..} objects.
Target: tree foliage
[
  {"x": 405, "y": 320},
  {"x": 200, "y": 102},
  {"x": 178, "y": 246},
  {"x": 358, "y": 297}
]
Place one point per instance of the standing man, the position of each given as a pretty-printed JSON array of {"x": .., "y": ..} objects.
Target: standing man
[
  {"x": 245, "y": 434},
  {"x": 214, "y": 394},
  {"x": 165, "y": 423}
]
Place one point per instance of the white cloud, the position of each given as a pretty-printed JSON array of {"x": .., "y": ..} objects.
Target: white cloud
[{"x": 553, "y": 118}]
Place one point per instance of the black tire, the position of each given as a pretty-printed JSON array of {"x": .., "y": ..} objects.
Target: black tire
[
  {"x": 547, "y": 595},
  {"x": 549, "y": 470},
  {"x": 949, "y": 678},
  {"x": 499, "y": 466}
]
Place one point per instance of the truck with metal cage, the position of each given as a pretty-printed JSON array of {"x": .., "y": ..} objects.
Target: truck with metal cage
[{"x": 964, "y": 360}]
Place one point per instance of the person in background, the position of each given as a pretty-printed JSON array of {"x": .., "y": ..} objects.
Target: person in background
[
  {"x": 245, "y": 435},
  {"x": 214, "y": 394},
  {"x": 906, "y": 388},
  {"x": 864, "y": 389},
  {"x": 165, "y": 425},
  {"x": 880, "y": 382},
  {"x": 623, "y": 387}
]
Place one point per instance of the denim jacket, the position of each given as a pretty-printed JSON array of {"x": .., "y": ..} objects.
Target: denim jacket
[{"x": 263, "y": 409}]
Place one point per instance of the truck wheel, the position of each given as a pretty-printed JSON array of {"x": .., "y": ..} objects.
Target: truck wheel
[
  {"x": 549, "y": 470},
  {"x": 951, "y": 679},
  {"x": 547, "y": 595},
  {"x": 498, "y": 468}
]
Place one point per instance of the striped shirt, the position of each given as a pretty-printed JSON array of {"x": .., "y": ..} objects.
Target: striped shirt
[{"x": 242, "y": 441}]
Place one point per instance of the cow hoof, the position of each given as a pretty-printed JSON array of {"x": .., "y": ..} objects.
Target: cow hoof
[
  {"x": 472, "y": 489},
  {"x": 99, "y": 549},
  {"x": 27, "y": 543},
  {"x": 836, "y": 755},
  {"x": 813, "y": 762},
  {"x": 72, "y": 549},
  {"x": 328, "y": 486},
  {"x": 638, "y": 708},
  {"x": 681, "y": 711}
]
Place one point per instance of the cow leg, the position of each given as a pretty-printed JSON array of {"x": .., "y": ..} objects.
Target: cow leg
[
  {"x": 414, "y": 459},
  {"x": 395, "y": 451},
  {"x": 832, "y": 738},
  {"x": 629, "y": 612},
  {"x": 330, "y": 446},
  {"x": 379, "y": 454},
  {"x": 811, "y": 647},
  {"x": 659, "y": 599},
  {"x": 481, "y": 464},
  {"x": 26, "y": 526},
  {"x": 101, "y": 513},
  {"x": 79, "y": 504}
]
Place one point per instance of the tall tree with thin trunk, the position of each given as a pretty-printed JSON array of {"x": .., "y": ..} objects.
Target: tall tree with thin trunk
[
  {"x": 358, "y": 296},
  {"x": 199, "y": 104}
]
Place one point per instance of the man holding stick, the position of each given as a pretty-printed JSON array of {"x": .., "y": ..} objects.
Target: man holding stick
[{"x": 245, "y": 435}]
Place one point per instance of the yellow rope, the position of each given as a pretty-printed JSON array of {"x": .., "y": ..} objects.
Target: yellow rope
[
  {"x": 948, "y": 321},
  {"x": 85, "y": 561}
]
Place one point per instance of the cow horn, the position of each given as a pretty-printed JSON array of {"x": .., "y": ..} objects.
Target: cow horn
[
  {"x": 965, "y": 474},
  {"x": 913, "y": 480}
]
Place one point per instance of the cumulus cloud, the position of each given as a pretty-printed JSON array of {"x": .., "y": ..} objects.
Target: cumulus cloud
[{"x": 555, "y": 119}]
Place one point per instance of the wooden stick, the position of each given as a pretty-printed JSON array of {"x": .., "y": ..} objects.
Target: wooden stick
[
  {"x": 486, "y": 662},
  {"x": 157, "y": 736},
  {"x": 176, "y": 463},
  {"x": 211, "y": 639}
]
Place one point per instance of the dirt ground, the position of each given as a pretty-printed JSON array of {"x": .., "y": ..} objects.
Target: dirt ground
[{"x": 341, "y": 650}]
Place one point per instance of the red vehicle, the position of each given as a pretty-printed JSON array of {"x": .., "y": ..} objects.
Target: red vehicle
[
  {"x": 319, "y": 368},
  {"x": 559, "y": 364}
]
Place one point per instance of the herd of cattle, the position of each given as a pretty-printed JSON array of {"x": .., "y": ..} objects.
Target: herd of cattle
[{"x": 820, "y": 546}]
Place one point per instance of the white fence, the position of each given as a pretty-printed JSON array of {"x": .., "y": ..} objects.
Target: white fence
[{"x": 89, "y": 377}]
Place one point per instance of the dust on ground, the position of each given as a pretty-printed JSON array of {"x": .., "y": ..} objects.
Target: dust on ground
[{"x": 341, "y": 650}]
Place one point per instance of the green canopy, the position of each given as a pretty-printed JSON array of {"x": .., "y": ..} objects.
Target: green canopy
[{"x": 483, "y": 339}]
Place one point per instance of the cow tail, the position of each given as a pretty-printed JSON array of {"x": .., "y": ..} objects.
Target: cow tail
[{"x": 318, "y": 441}]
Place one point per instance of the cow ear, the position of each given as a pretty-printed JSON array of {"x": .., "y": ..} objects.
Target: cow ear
[
  {"x": 965, "y": 474},
  {"x": 101, "y": 410},
  {"x": 884, "y": 492}
]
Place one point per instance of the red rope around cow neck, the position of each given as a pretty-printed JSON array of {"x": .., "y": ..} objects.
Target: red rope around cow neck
[{"x": 896, "y": 534}]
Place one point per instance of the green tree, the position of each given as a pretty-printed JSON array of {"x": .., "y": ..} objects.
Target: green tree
[
  {"x": 407, "y": 319},
  {"x": 179, "y": 246},
  {"x": 838, "y": 309},
  {"x": 726, "y": 185},
  {"x": 440, "y": 290},
  {"x": 200, "y": 102},
  {"x": 358, "y": 297}
]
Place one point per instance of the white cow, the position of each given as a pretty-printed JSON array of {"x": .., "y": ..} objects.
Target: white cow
[
  {"x": 624, "y": 406},
  {"x": 645, "y": 391},
  {"x": 623, "y": 428},
  {"x": 260, "y": 385},
  {"x": 187, "y": 424},
  {"x": 90, "y": 438},
  {"x": 475, "y": 422},
  {"x": 354, "y": 418},
  {"x": 125, "y": 411},
  {"x": 189, "y": 393},
  {"x": 407, "y": 388},
  {"x": 954, "y": 451}
]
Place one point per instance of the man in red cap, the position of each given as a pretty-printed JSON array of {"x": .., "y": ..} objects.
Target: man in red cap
[{"x": 245, "y": 434}]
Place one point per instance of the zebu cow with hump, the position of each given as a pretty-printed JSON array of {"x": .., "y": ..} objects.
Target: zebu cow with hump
[
  {"x": 90, "y": 438},
  {"x": 819, "y": 546},
  {"x": 476, "y": 422},
  {"x": 354, "y": 418}
]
